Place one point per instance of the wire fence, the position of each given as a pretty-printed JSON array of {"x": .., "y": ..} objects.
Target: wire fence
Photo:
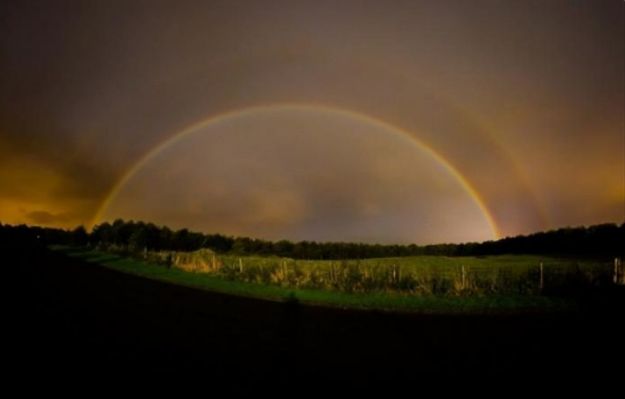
[{"x": 519, "y": 275}]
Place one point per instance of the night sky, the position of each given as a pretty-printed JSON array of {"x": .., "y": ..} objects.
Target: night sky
[{"x": 377, "y": 121}]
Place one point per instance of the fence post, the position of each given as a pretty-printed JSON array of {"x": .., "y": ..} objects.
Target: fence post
[
  {"x": 240, "y": 265},
  {"x": 463, "y": 278},
  {"x": 393, "y": 274},
  {"x": 615, "y": 279},
  {"x": 542, "y": 277},
  {"x": 331, "y": 273}
]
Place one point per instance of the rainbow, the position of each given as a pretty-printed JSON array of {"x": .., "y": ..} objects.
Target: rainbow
[{"x": 180, "y": 135}]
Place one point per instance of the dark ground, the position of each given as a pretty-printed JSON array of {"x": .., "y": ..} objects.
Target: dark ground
[{"x": 73, "y": 318}]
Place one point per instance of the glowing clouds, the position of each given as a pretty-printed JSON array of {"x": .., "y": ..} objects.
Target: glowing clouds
[
  {"x": 37, "y": 192},
  {"x": 301, "y": 173}
]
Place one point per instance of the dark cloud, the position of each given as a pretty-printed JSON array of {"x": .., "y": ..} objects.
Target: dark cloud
[{"x": 526, "y": 99}]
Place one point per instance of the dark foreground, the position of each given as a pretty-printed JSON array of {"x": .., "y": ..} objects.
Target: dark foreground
[{"x": 73, "y": 318}]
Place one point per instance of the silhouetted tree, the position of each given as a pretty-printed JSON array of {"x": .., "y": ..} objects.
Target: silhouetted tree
[
  {"x": 138, "y": 239},
  {"x": 604, "y": 240},
  {"x": 79, "y": 236}
]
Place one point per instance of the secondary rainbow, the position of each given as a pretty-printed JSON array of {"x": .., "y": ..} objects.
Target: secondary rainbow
[{"x": 180, "y": 135}]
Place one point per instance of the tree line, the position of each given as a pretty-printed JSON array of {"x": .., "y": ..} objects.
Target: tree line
[{"x": 598, "y": 240}]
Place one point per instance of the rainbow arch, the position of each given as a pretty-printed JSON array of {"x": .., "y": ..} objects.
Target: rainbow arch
[{"x": 221, "y": 117}]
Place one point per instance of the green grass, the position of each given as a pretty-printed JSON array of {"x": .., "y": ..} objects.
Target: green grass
[{"x": 385, "y": 300}]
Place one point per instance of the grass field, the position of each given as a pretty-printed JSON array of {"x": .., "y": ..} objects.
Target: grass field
[
  {"x": 75, "y": 318},
  {"x": 490, "y": 284}
]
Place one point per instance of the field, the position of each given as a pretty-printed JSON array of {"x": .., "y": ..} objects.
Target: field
[
  {"x": 80, "y": 319},
  {"x": 425, "y": 284}
]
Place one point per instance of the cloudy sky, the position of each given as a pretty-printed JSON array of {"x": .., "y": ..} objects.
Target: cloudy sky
[{"x": 380, "y": 121}]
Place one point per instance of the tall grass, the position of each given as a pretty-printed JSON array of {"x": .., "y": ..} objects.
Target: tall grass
[{"x": 419, "y": 276}]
